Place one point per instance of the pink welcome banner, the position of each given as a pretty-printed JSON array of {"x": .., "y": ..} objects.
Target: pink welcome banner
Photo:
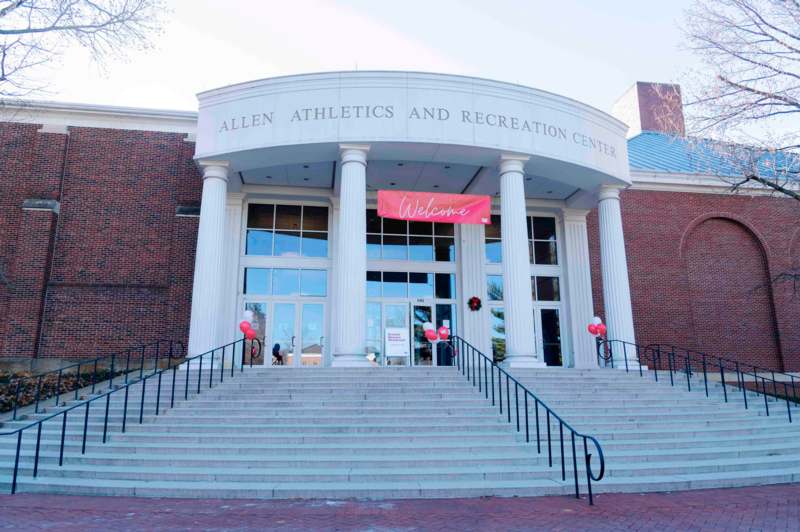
[{"x": 433, "y": 207}]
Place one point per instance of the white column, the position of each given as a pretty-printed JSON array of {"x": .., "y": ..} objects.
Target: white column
[
  {"x": 616, "y": 290},
  {"x": 208, "y": 264},
  {"x": 350, "y": 293},
  {"x": 578, "y": 284},
  {"x": 231, "y": 313},
  {"x": 516, "y": 265},
  {"x": 474, "y": 326}
]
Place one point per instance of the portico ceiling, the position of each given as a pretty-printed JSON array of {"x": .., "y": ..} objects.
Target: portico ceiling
[{"x": 406, "y": 175}]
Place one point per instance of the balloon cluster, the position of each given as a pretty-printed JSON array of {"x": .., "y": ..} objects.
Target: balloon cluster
[
  {"x": 597, "y": 327},
  {"x": 433, "y": 335},
  {"x": 245, "y": 326}
]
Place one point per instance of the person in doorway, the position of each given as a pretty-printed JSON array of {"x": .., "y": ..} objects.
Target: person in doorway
[{"x": 277, "y": 357}]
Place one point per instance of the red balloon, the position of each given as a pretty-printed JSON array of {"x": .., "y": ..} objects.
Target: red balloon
[
  {"x": 444, "y": 333},
  {"x": 250, "y": 334},
  {"x": 430, "y": 334},
  {"x": 601, "y": 329},
  {"x": 244, "y": 325},
  {"x": 593, "y": 329}
]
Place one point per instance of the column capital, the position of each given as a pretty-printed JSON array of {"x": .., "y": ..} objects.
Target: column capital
[
  {"x": 512, "y": 162},
  {"x": 574, "y": 215},
  {"x": 354, "y": 153},
  {"x": 214, "y": 168},
  {"x": 609, "y": 192}
]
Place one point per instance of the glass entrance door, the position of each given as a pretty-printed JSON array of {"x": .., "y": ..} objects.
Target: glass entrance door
[
  {"x": 395, "y": 317},
  {"x": 292, "y": 332},
  {"x": 422, "y": 348}
]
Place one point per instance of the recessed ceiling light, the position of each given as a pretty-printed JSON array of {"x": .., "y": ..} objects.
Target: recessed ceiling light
[
  {"x": 399, "y": 164},
  {"x": 528, "y": 178},
  {"x": 269, "y": 177},
  {"x": 549, "y": 191},
  {"x": 447, "y": 167},
  {"x": 305, "y": 179},
  {"x": 435, "y": 186},
  {"x": 305, "y": 166},
  {"x": 392, "y": 184}
]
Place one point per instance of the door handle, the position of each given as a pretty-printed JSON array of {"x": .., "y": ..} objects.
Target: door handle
[
  {"x": 292, "y": 341},
  {"x": 321, "y": 338}
]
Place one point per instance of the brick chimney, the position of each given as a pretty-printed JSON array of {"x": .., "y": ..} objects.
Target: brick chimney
[{"x": 651, "y": 107}]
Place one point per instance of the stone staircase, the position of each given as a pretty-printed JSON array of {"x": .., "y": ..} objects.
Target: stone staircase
[
  {"x": 401, "y": 433},
  {"x": 657, "y": 437}
]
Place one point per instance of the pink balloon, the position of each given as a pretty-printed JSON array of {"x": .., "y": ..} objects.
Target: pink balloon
[
  {"x": 244, "y": 325},
  {"x": 601, "y": 329},
  {"x": 430, "y": 334},
  {"x": 592, "y": 328},
  {"x": 444, "y": 333},
  {"x": 250, "y": 334}
]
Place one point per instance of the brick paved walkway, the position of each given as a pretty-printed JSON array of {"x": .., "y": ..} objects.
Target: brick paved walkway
[{"x": 773, "y": 508}]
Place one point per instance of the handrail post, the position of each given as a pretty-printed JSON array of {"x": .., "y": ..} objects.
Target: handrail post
[
  {"x": 16, "y": 464},
  {"x": 58, "y": 388},
  {"x": 111, "y": 372},
  {"x": 158, "y": 356},
  {"x": 722, "y": 379},
  {"x": 141, "y": 364},
  {"x": 38, "y": 446},
  {"x": 705, "y": 375},
  {"x": 211, "y": 370},
  {"x": 94, "y": 375},
  {"x": 38, "y": 393},
  {"x": 688, "y": 373},
  {"x": 78, "y": 380}
]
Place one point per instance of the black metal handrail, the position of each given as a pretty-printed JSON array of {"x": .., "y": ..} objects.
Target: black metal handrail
[
  {"x": 480, "y": 370},
  {"x": 255, "y": 350},
  {"x": 675, "y": 361},
  {"x": 169, "y": 351}
]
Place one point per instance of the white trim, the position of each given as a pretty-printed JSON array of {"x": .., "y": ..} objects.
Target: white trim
[
  {"x": 694, "y": 183},
  {"x": 54, "y": 115}
]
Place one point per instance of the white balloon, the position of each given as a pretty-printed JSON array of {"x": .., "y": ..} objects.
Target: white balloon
[
  {"x": 248, "y": 315},
  {"x": 427, "y": 326},
  {"x": 596, "y": 320}
]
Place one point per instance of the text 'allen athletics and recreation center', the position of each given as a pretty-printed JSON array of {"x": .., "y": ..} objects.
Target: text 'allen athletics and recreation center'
[{"x": 441, "y": 114}]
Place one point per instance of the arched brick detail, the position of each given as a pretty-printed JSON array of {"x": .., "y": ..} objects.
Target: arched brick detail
[{"x": 730, "y": 294}]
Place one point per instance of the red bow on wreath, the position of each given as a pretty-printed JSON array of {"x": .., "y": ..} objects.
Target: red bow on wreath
[{"x": 474, "y": 303}]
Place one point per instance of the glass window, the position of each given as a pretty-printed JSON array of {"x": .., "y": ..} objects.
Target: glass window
[
  {"x": 420, "y": 228},
  {"x": 285, "y": 282},
  {"x": 445, "y": 249},
  {"x": 395, "y": 284},
  {"x": 287, "y": 243},
  {"x": 374, "y": 333},
  {"x": 420, "y": 248},
  {"x": 315, "y": 244},
  {"x": 498, "y": 333},
  {"x": 256, "y": 281},
  {"x": 315, "y": 218},
  {"x": 373, "y": 221},
  {"x": 445, "y": 286},
  {"x": 420, "y": 285},
  {"x": 551, "y": 337},
  {"x": 260, "y": 216},
  {"x": 313, "y": 283},
  {"x": 395, "y": 247},
  {"x": 542, "y": 246},
  {"x": 494, "y": 287},
  {"x": 287, "y": 216},
  {"x": 543, "y": 228},
  {"x": 547, "y": 289},
  {"x": 395, "y": 227},
  {"x": 373, "y": 246},
  {"x": 444, "y": 229},
  {"x": 493, "y": 229},
  {"x": 544, "y": 252},
  {"x": 373, "y": 284},
  {"x": 259, "y": 242}
]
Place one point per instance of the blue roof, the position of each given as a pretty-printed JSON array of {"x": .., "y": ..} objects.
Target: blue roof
[{"x": 660, "y": 152}]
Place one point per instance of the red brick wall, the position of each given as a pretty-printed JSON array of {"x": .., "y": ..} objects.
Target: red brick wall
[
  {"x": 699, "y": 266},
  {"x": 122, "y": 260}
]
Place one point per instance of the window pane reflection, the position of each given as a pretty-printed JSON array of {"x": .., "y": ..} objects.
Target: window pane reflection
[
  {"x": 287, "y": 244},
  {"x": 395, "y": 284},
  {"x": 494, "y": 287},
  {"x": 285, "y": 282},
  {"x": 259, "y": 243},
  {"x": 420, "y": 285},
  {"x": 257, "y": 281},
  {"x": 315, "y": 244},
  {"x": 313, "y": 283}
]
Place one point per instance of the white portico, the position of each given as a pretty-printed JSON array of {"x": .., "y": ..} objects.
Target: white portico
[{"x": 291, "y": 167}]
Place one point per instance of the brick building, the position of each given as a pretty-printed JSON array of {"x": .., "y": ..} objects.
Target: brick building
[{"x": 101, "y": 214}]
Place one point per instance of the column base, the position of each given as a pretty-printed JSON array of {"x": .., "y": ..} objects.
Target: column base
[
  {"x": 350, "y": 361},
  {"x": 522, "y": 361}
]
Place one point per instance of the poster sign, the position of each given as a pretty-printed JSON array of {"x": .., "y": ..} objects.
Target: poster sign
[
  {"x": 434, "y": 207},
  {"x": 397, "y": 342}
]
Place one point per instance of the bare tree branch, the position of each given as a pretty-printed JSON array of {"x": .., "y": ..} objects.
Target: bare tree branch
[{"x": 34, "y": 33}]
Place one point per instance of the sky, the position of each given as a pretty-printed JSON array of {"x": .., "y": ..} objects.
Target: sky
[{"x": 590, "y": 50}]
